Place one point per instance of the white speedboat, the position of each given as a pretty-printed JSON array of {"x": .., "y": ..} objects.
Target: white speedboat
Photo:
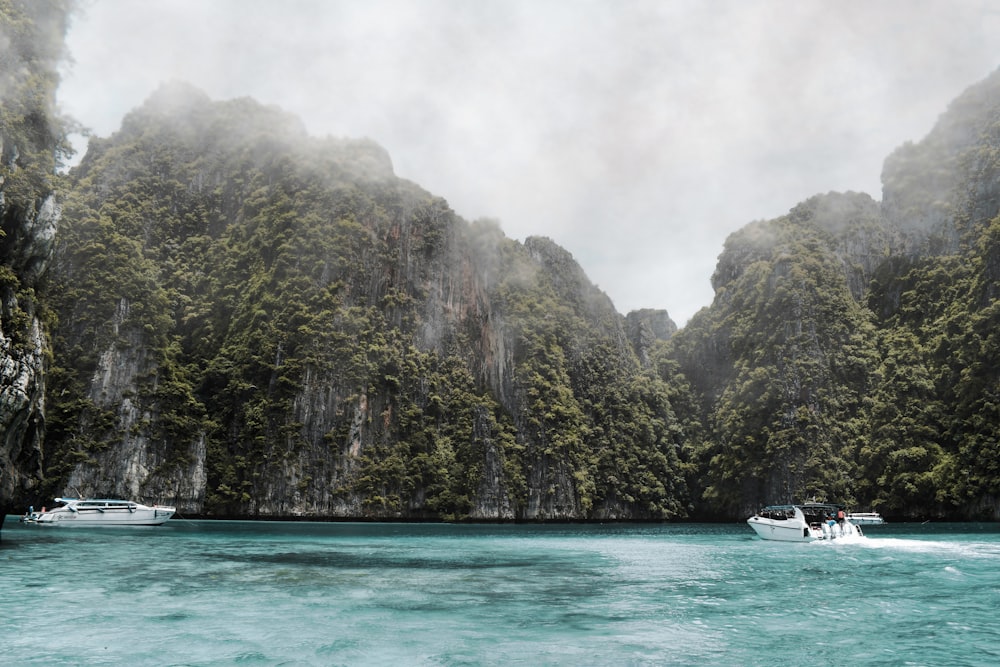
[
  {"x": 803, "y": 523},
  {"x": 865, "y": 518},
  {"x": 101, "y": 512}
]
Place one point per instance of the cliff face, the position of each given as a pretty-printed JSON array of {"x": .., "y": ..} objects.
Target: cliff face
[
  {"x": 844, "y": 336},
  {"x": 223, "y": 313},
  {"x": 265, "y": 324},
  {"x": 781, "y": 360},
  {"x": 23, "y": 347},
  {"x": 937, "y": 192},
  {"x": 645, "y": 327},
  {"x": 30, "y": 149}
]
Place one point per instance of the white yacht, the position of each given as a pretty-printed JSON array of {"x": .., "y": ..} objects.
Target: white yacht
[
  {"x": 866, "y": 518},
  {"x": 803, "y": 523},
  {"x": 101, "y": 512}
]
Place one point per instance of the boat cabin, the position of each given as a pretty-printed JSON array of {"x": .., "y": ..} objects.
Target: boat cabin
[
  {"x": 98, "y": 505},
  {"x": 816, "y": 514}
]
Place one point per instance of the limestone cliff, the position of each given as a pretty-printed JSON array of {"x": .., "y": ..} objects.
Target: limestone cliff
[
  {"x": 30, "y": 150},
  {"x": 23, "y": 349},
  {"x": 845, "y": 355},
  {"x": 254, "y": 322},
  {"x": 936, "y": 191},
  {"x": 646, "y": 326}
]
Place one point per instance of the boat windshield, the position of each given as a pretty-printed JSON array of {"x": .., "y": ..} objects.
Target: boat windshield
[{"x": 817, "y": 513}]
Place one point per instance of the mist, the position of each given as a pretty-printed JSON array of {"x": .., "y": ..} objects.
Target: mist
[{"x": 636, "y": 134}]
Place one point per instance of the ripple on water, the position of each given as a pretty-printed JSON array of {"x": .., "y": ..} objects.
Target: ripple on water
[{"x": 216, "y": 593}]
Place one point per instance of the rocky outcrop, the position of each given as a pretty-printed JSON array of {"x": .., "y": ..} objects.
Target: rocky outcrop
[
  {"x": 853, "y": 226},
  {"x": 22, "y": 411},
  {"x": 935, "y": 192},
  {"x": 285, "y": 328},
  {"x": 140, "y": 465},
  {"x": 27, "y": 246},
  {"x": 646, "y": 326},
  {"x": 851, "y": 334},
  {"x": 30, "y": 147}
]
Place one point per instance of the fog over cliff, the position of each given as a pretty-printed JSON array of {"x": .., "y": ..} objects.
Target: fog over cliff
[
  {"x": 219, "y": 309},
  {"x": 636, "y": 134}
]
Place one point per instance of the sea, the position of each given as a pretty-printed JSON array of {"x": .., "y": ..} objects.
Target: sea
[{"x": 297, "y": 593}]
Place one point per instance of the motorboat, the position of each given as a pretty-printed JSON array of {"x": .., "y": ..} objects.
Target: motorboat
[
  {"x": 100, "y": 512},
  {"x": 865, "y": 518},
  {"x": 803, "y": 523}
]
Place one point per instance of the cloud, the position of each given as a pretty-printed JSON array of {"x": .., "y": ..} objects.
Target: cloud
[{"x": 637, "y": 134}]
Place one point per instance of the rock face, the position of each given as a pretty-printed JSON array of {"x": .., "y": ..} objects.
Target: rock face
[
  {"x": 267, "y": 324},
  {"x": 27, "y": 245},
  {"x": 935, "y": 192},
  {"x": 135, "y": 468},
  {"x": 646, "y": 326},
  {"x": 30, "y": 50},
  {"x": 845, "y": 336},
  {"x": 28, "y": 238},
  {"x": 22, "y": 406}
]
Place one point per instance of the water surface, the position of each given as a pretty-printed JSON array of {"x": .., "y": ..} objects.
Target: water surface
[{"x": 254, "y": 593}]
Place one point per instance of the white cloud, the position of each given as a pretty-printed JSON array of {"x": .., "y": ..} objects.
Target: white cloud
[{"x": 637, "y": 134}]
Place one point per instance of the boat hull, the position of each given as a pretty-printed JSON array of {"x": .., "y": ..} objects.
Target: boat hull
[
  {"x": 154, "y": 517},
  {"x": 782, "y": 531}
]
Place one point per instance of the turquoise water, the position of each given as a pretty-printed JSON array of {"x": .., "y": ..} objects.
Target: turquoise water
[{"x": 243, "y": 593}]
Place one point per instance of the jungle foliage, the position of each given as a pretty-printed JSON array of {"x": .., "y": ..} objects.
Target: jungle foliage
[
  {"x": 345, "y": 344},
  {"x": 249, "y": 321},
  {"x": 854, "y": 356},
  {"x": 33, "y": 144},
  {"x": 288, "y": 297}
]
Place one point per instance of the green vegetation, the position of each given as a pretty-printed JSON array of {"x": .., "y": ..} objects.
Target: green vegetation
[
  {"x": 292, "y": 304},
  {"x": 795, "y": 353},
  {"x": 32, "y": 147},
  {"x": 248, "y": 321},
  {"x": 805, "y": 392},
  {"x": 337, "y": 342}
]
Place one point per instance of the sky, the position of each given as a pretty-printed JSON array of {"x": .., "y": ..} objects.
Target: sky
[{"x": 637, "y": 134}]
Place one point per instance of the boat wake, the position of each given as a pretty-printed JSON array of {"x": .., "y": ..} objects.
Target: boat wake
[
  {"x": 975, "y": 549},
  {"x": 844, "y": 539}
]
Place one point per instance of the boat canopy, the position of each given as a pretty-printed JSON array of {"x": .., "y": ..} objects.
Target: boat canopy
[
  {"x": 778, "y": 512},
  {"x": 827, "y": 507},
  {"x": 814, "y": 512}
]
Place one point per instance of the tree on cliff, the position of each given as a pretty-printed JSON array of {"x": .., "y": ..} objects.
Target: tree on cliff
[
  {"x": 32, "y": 146},
  {"x": 851, "y": 350},
  {"x": 794, "y": 352},
  {"x": 257, "y": 322}
]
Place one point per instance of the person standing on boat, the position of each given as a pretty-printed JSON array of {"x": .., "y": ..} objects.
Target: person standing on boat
[{"x": 828, "y": 526}]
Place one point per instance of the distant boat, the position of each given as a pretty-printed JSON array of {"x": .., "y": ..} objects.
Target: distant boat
[
  {"x": 803, "y": 523},
  {"x": 100, "y": 512},
  {"x": 865, "y": 518}
]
